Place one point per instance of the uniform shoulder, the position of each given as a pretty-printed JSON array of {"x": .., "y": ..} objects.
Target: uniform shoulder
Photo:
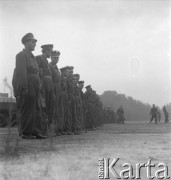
[
  {"x": 38, "y": 57},
  {"x": 51, "y": 65},
  {"x": 86, "y": 93},
  {"x": 20, "y": 56},
  {"x": 39, "y": 60},
  {"x": 21, "y": 53}
]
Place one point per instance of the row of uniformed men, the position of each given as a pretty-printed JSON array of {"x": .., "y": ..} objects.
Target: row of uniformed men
[{"x": 50, "y": 100}]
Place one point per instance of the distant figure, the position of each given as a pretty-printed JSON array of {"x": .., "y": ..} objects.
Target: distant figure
[
  {"x": 166, "y": 114},
  {"x": 154, "y": 113},
  {"x": 120, "y": 113}
]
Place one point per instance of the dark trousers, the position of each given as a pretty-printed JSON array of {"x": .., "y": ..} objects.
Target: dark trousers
[
  {"x": 120, "y": 119},
  {"x": 89, "y": 116},
  {"x": 49, "y": 98},
  {"x": 30, "y": 109},
  {"x": 59, "y": 109},
  {"x": 74, "y": 118},
  {"x": 153, "y": 117},
  {"x": 79, "y": 122},
  {"x": 82, "y": 118},
  {"x": 66, "y": 114}
]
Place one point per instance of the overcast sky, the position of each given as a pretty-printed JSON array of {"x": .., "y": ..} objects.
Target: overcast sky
[{"x": 121, "y": 45}]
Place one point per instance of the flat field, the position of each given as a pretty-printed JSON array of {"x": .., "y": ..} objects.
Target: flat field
[{"x": 76, "y": 157}]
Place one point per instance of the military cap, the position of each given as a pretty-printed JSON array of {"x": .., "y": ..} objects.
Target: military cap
[
  {"x": 89, "y": 86},
  {"x": 27, "y": 37},
  {"x": 47, "y": 46},
  {"x": 71, "y": 67},
  {"x": 55, "y": 54},
  {"x": 64, "y": 68},
  {"x": 80, "y": 82},
  {"x": 76, "y": 75}
]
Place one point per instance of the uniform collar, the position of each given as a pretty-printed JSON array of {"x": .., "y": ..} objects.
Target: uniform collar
[
  {"x": 43, "y": 57},
  {"x": 53, "y": 64},
  {"x": 28, "y": 52}
]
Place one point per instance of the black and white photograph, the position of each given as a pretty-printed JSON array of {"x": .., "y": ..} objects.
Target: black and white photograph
[{"x": 85, "y": 89}]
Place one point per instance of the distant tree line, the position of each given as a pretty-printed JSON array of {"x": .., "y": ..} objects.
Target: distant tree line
[{"x": 134, "y": 110}]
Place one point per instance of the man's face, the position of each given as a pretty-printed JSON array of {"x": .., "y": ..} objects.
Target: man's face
[
  {"x": 88, "y": 89},
  {"x": 81, "y": 86},
  {"x": 77, "y": 78},
  {"x": 74, "y": 81},
  {"x": 55, "y": 60},
  {"x": 70, "y": 73},
  {"x": 48, "y": 52},
  {"x": 31, "y": 44},
  {"x": 65, "y": 73}
]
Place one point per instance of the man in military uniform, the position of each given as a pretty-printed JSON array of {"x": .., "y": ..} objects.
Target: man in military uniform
[
  {"x": 66, "y": 104},
  {"x": 94, "y": 101},
  {"x": 78, "y": 100},
  {"x": 166, "y": 114},
  {"x": 26, "y": 83},
  {"x": 72, "y": 102},
  {"x": 153, "y": 114},
  {"x": 121, "y": 117},
  {"x": 108, "y": 118},
  {"x": 83, "y": 113},
  {"x": 46, "y": 77},
  {"x": 56, "y": 79},
  {"x": 89, "y": 107},
  {"x": 100, "y": 112}
]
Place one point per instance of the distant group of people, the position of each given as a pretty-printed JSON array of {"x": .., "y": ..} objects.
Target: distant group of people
[
  {"x": 112, "y": 116},
  {"x": 156, "y": 114},
  {"x": 50, "y": 101}
]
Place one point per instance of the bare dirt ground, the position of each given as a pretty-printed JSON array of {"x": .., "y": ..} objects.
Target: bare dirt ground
[{"x": 76, "y": 157}]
